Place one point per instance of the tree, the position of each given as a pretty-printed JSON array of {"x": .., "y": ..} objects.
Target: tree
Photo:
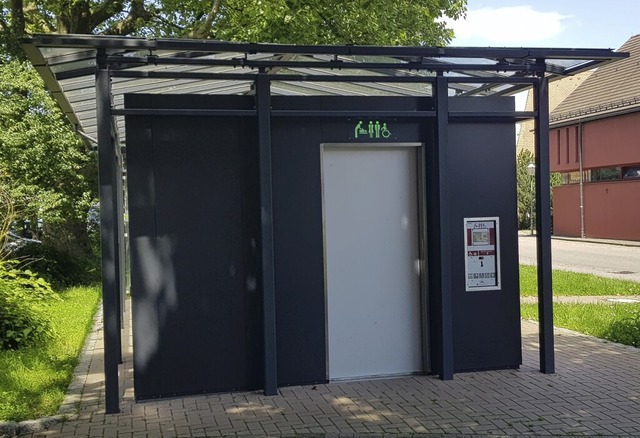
[
  {"x": 399, "y": 22},
  {"x": 49, "y": 173},
  {"x": 379, "y": 22},
  {"x": 6, "y": 216},
  {"x": 526, "y": 193}
]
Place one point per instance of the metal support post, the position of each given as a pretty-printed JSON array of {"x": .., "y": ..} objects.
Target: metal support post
[
  {"x": 107, "y": 166},
  {"x": 442, "y": 118},
  {"x": 543, "y": 226},
  {"x": 263, "y": 106}
]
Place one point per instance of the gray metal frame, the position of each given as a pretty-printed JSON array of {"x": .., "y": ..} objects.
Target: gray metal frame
[{"x": 507, "y": 71}]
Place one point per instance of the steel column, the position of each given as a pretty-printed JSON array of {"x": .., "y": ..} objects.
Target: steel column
[
  {"x": 442, "y": 132},
  {"x": 263, "y": 106},
  {"x": 107, "y": 167},
  {"x": 543, "y": 225}
]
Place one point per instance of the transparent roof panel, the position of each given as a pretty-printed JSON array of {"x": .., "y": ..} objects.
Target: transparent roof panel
[{"x": 159, "y": 66}]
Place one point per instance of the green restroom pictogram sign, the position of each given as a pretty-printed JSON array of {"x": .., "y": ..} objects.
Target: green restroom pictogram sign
[{"x": 372, "y": 129}]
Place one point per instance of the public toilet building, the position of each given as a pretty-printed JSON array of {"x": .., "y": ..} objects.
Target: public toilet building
[{"x": 304, "y": 214}]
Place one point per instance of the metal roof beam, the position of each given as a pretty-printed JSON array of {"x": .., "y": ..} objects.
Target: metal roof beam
[
  {"x": 128, "y": 43},
  {"x": 337, "y": 65}
]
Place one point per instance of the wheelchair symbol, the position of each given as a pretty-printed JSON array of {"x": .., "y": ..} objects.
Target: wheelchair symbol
[{"x": 385, "y": 131}]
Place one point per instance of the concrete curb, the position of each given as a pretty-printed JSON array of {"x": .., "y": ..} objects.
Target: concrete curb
[
  {"x": 522, "y": 233},
  {"x": 599, "y": 241},
  {"x": 69, "y": 408}
]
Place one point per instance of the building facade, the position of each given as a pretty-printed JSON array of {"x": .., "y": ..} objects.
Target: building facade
[{"x": 595, "y": 145}]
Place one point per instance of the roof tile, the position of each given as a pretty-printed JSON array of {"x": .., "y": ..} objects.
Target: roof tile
[{"x": 611, "y": 88}]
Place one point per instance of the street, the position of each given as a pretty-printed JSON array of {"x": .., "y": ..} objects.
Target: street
[{"x": 615, "y": 261}]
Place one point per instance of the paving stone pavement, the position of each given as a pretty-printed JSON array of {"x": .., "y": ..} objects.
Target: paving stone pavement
[{"x": 595, "y": 391}]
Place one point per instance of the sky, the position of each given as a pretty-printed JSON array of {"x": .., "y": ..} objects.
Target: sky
[{"x": 545, "y": 23}]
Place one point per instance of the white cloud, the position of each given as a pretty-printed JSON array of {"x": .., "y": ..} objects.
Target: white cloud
[{"x": 508, "y": 25}]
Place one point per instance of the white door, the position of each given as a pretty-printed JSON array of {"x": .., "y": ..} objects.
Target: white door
[{"x": 372, "y": 258}]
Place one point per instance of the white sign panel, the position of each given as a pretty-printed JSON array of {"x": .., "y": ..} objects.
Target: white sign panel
[{"x": 482, "y": 253}]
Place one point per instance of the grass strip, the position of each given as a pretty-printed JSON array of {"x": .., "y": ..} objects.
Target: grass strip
[
  {"x": 33, "y": 381},
  {"x": 576, "y": 284},
  {"x": 618, "y": 322}
]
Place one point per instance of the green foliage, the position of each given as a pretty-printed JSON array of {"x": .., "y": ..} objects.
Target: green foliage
[
  {"x": 400, "y": 22},
  {"x": 614, "y": 322},
  {"x": 526, "y": 194},
  {"x": 60, "y": 268},
  {"x": 37, "y": 288},
  {"x": 33, "y": 381},
  {"x": 24, "y": 299},
  {"x": 51, "y": 175},
  {"x": 6, "y": 216},
  {"x": 625, "y": 330},
  {"x": 526, "y": 190},
  {"x": 576, "y": 284},
  {"x": 48, "y": 172},
  {"x": 377, "y": 22}
]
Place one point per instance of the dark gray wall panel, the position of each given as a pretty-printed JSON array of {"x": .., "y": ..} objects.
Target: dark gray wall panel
[
  {"x": 145, "y": 271},
  {"x": 486, "y": 324},
  {"x": 195, "y": 285},
  {"x": 299, "y": 266}
]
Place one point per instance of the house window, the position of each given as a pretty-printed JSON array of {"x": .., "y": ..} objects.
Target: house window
[
  {"x": 602, "y": 174},
  {"x": 574, "y": 177},
  {"x": 631, "y": 172},
  {"x": 606, "y": 174}
]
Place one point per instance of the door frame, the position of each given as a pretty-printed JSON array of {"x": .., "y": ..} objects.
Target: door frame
[{"x": 421, "y": 204}]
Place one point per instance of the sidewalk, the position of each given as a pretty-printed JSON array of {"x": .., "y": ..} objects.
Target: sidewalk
[{"x": 595, "y": 391}]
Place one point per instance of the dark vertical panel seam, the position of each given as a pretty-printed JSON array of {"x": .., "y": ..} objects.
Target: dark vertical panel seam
[
  {"x": 119, "y": 199},
  {"x": 568, "y": 145},
  {"x": 577, "y": 142}
]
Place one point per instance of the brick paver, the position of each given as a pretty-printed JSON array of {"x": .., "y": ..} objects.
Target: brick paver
[{"x": 595, "y": 391}]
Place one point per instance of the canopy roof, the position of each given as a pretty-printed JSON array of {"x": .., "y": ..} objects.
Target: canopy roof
[{"x": 68, "y": 64}]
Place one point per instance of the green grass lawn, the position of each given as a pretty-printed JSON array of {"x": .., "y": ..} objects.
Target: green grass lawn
[
  {"x": 575, "y": 284},
  {"x": 33, "y": 381},
  {"x": 615, "y": 322}
]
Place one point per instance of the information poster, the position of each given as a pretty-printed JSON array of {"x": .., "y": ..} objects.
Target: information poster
[{"x": 482, "y": 253}]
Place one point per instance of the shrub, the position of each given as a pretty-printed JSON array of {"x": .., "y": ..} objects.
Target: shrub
[
  {"x": 24, "y": 298},
  {"x": 60, "y": 268}
]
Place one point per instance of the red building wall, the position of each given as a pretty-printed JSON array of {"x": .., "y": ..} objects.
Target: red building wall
[
  {"x": 612, "y": 142},
  {"x": 607, "y": 142},
  {"x": 563, "y": 149},
  {"x": 566, "y": 210},
  {"x": 611, "y": 209}
]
